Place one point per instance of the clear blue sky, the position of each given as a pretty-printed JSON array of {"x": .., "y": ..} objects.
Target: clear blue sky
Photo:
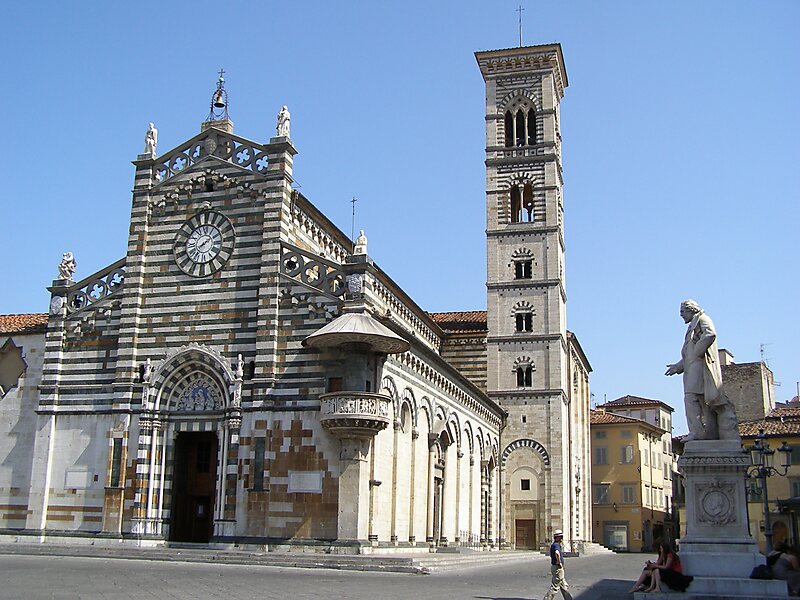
[{"x": 680, "y": 127}]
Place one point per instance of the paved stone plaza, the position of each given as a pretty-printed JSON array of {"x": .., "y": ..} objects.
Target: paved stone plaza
[{"x": 602, "y": 577}]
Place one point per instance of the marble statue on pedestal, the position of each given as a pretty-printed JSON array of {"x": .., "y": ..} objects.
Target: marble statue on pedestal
[
  {"x": 717, "y": 550},
  {"x": 361, "y": 243},
  {"x": 284, "y": 119},
  {"x": 151, "y": 140},
  {"x": 66, "y": 269},
  {"x": 709, "y": 413}
]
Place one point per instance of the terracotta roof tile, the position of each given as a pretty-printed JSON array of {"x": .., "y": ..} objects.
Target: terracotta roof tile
[
  {"x": 602, "y": 417},
  {"x": 470, "y": 321},
  {"x": 784, "y": 420},
  {"x": 33, "y": 323},
  {"x": 635, "y": 401}
]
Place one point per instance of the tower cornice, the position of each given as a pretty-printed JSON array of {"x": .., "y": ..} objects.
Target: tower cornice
[{"x": 494, "y": 63}]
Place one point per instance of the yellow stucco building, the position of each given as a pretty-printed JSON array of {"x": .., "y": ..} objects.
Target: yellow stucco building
[{"x": 632, "y": 471}]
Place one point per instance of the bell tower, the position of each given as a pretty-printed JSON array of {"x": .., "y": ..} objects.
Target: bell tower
[{"x": 527, "y": 345}]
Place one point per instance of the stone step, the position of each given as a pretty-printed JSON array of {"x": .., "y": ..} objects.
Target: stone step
[
  {"x": 420, "y": 563},
  {"x": 721, "y": 588},
  {"x": 590, "y": 549}
]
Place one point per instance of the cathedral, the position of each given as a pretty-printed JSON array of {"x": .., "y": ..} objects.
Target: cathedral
[{"x": 246, "y": 374}]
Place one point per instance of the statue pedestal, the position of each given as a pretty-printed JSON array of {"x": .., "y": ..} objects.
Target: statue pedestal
[{"x": 718, "y": 549}]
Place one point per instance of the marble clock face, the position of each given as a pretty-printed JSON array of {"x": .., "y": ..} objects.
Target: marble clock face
[{"x": 204, "y": 244}]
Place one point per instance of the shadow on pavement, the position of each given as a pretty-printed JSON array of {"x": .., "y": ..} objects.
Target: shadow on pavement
[{"x": 606, "y": 589}]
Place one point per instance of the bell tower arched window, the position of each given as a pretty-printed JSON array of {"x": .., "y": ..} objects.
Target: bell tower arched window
[
  {"x": 523, "y": 317},
  {"x": 520, "y": 127},
  {"x": 523, "y": 369},
  {"x": 523, "y": 269},
  {"x": 524, "y": 322},
  {"x": 522, "y": 203}
]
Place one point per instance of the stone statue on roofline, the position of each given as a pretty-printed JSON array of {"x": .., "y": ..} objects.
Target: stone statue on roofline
[
  {"x": 284, "y": 118},
  {"x": 151, "y": 140},
  {"x": 709, "y": 413},
  {"x": 66, "y": 269},
  {"x": 361, "y": 243}
]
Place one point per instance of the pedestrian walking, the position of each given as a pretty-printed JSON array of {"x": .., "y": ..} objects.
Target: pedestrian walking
[{"x": 558, "y": 582}]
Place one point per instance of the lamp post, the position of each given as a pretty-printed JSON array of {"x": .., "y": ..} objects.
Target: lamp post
[{"x": 762, "y": 458}]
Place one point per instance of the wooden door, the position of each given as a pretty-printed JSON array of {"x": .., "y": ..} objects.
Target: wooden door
[
  {"x": 525, "y": 534},
  {"x": 194, "y": 486}
]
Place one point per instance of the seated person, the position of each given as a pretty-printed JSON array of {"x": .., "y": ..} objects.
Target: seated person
[
  {"x": 645, "y": 580},
  {"x": 670, "y": 573},
  {"x": 787, "y": 568}
]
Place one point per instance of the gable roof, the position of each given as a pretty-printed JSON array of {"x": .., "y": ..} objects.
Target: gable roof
[
  {"x": 30, "y": 323},
  {"x": 604, "y": 417},
  {"x": 601, "y": 417},
  {"x": 635, "y": 401}
]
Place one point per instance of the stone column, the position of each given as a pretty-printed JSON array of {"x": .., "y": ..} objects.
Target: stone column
[
  {"x": 354, "y": 489},
  {"x": 431, "y": 484},
  {"x": 153, "y": 522},
  {"x": 225, "y": 521},
  {"x": 490, "y": 508},
  {"x": 412, "y": 538},
  {"x": 484, "y": 503},
  {"x": 504, "y": 518},
  {"x": 457, "y": 530},
  {"x": 471, "y": 496},
  {"x": 142, "y": 477},
  {"x": 393, "y": 534}
]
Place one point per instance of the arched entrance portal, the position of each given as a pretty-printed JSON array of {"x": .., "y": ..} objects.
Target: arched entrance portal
[
  {"x": 525, "y": 467},
  {"x": 189, "y": 434}
]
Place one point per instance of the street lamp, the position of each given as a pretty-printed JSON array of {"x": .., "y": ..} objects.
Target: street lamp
[{"x": 762, "y": 458}]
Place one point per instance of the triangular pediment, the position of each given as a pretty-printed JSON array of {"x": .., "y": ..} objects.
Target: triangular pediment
[{"x": 211, "y": 144}]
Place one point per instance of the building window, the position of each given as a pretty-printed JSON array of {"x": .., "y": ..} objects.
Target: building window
[
  {"x": 600, "y": 435},
  {"x": 601, "y": 493},
  {"x": 259, "y": 445},
  {"x": 626, "y": 455},
  {"x": 645, "y": 454},
  {"x": 524, "y": 321},
  {"x": 116, "y": 462},
  {"x": 524, "y": 419},
  {"x": 531, "y": 127},
  {"x": 520, "y": 127},
  {"x": 795, "y": 483},
  {"x": 509, "y": 125},
  {"x": 601, "y": 455},
  {"x": 334, "y": 384},
  {"x": 647, "y": 500},
  {"x": 626, "y": 433},
  {"x": 525, "y": 485},
  {"x": 523, "y": 269},
  {"x": 524, "y": 376},
  {"x": 628, "y": 494},
  {"x": 522, "y": 205}
]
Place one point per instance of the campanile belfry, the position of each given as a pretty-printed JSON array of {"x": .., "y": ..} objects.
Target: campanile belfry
[{"x": 532, "y": 369}]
